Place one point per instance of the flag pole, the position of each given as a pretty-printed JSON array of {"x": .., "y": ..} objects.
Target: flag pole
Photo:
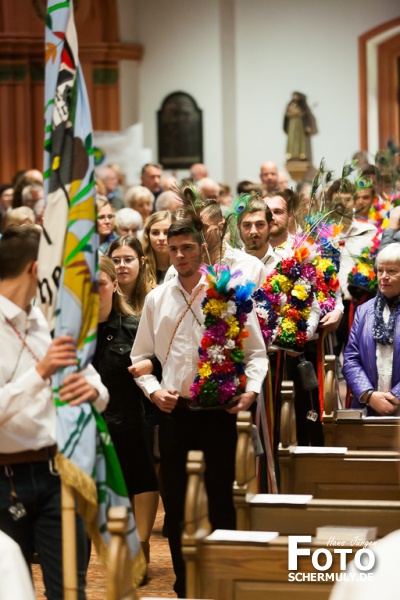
[{"x": 70, "y": 578}]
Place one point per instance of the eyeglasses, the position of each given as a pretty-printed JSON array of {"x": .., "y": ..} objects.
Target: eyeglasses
[
  {"x": 102, "y": 217},
  {"x": 127, "y": 260}
]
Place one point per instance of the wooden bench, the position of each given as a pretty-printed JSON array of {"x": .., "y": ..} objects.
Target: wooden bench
[
  {"x": 120, "y": 565},
  {"x": 242, "y": 569},
  {"x": 342, "y": 428},
  {"x": 290, "y": 516},
  {"x": 334, "y": 472},
  {"x": 265, "y": 512},
  {"x": 340, "y": 473}
]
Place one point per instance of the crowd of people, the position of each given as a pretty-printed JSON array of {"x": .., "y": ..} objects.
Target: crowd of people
[{"x": 203, "y": 295}]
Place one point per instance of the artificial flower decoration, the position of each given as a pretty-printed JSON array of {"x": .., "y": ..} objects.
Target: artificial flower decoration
[
  {"x": 325, "y": 234},
  {"x": 283, "y": 301},
  {"x": 221, "y": 373},
  {"x": 362, "y": 276}
]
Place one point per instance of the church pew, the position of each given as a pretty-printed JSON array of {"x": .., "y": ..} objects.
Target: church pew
[
  {"x": 234, "y": 565},
  {"x": 119, "y": 569},
  {"x": 340, "y": 473},
  {"x": 294, "y": 515},
  {"x": 291, "y": 516},
  {"x": 351, "y": 428},
  {"x": 334, "y": 472}
]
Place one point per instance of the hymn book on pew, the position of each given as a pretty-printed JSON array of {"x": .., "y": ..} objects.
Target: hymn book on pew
[
  {"x": 335, "y": 535},
  {"x": 351, "y": 413},
  {"x": 227, "y": 535}
]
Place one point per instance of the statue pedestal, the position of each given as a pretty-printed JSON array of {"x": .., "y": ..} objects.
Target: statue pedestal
[{"x": 298, "y": 169}]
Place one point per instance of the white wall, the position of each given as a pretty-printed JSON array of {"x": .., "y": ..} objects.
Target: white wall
[{"x": 241, "y": 60}]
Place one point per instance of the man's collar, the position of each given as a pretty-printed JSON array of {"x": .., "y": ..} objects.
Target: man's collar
[
  {"x": 177, "y": 283},
  {"x": 12, "y": 311}
]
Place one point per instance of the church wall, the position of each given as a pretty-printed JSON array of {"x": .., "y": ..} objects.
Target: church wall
[{"x": 241, "y": 60}]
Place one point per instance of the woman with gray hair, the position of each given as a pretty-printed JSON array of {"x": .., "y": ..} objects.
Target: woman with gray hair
[
  {"x": 128, "y": 222},
  {"x": 372, "y": 356}
]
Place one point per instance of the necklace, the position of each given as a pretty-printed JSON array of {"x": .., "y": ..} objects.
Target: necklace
[
  {"x": 189, "y": 305},
  {"x": 23, "y": 339}
]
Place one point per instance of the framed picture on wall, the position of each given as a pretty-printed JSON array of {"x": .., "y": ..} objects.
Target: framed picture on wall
[{"x": 180, "y": 132}]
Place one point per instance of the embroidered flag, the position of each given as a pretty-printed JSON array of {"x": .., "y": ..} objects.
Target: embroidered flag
[{"x": 68, "y": 275}]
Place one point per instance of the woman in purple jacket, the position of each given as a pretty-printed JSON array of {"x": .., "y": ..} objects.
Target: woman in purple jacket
[{"x": 372, "y": 355}]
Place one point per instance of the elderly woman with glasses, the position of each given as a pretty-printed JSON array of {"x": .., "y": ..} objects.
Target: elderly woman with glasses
[
  {"x": 105, "y": 223},
  {"x": 372, "y": 356}
]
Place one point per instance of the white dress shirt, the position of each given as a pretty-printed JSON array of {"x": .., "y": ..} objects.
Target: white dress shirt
[
  {"x": 15, "y": 580},
  {"x": 270, "y": 259},
  {"x": 162, "y": 311},
  {"x": 251, "y": 266},
  {"x": 353, "y": 242},
  {"x": 27, "y": 410},
  {"x": 384, "y": 581}
]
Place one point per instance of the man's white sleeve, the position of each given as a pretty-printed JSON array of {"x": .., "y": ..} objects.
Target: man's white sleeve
[
  {"x": 255, "y": 355},
  {"x": 144, "y": 347}
]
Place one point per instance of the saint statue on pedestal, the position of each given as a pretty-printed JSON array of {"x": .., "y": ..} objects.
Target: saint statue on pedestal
[{"x": 299, "y": 124}]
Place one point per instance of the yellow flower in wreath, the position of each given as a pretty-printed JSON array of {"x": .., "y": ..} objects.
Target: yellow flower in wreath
[
  {"x": 284, "y": 283},
  {"x": 289, "y": 326},
  {"x": 234, "y": 328},
  {"x": 205, "y": 370},
  {"x": 215, "y": 307},
  {"x": 300, "y": 292}
]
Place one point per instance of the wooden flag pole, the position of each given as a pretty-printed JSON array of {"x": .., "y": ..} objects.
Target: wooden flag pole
[{"x": 70, "y": 575}]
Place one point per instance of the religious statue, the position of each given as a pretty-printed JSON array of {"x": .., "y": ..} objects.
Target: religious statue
[{"x": 299, "y": 124}]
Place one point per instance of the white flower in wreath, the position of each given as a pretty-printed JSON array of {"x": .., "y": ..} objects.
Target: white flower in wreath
[
  {"x": 262, "y": 313},
  {"x": 216, "y": 354},
  {"x": 305, "y": 283},
  {"x": 230, "y": 310},
  {"x": 236, "y": 381},
  {"x": 230, "y": 344}
]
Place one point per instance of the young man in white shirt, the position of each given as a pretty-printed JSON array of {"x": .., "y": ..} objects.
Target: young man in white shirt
[
  {"x": 30, "y": 498},
  {"x": 254, "y": 229},
  {"x": 171, "y": 328}
]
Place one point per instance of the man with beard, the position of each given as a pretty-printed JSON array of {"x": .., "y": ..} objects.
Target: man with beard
[{"x": 254, "y": 229}]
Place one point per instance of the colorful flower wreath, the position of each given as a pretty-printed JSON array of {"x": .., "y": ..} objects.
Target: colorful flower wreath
[
  {"x": 363, "y": 275},
  {"x": 327, "y": 261},
  {"x": 283, "y": 302},
  {"x": 221, "y": 368}
]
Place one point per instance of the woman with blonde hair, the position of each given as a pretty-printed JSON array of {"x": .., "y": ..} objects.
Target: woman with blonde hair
[
  {"x": 141, "y": 199},
  {"x": 130, "y": 264},
  {"x": 155, "y": 245},
  {"x": 125, "y": 412},
  {"x": 105, "y": 223}
]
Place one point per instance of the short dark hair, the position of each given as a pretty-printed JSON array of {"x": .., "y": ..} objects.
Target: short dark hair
[
  {"x": 369, "y": 170},
  {"x": 340, "y": 186},
  {"x": 288, "y": 196},
  {"x": 18, "y": 247},
  {"x": 212, "y": 210},
  {"x": 184, "y": 227},
  {"x": 156, "y": 165},
  {"x": 254, "y": 205}
]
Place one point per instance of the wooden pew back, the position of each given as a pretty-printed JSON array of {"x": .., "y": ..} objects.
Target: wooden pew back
[
  {"x": 242, "y": 569},
  {"x": 119, "y": 570},
  {"x": 351, "y": 474},
  {"x": 362, "y": 433}
]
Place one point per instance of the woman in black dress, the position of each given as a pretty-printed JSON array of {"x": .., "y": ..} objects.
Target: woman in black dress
[{"x": 125, "y": 413}]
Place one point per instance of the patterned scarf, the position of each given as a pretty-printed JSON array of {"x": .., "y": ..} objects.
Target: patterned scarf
[{"x": 384, "y": 333}]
